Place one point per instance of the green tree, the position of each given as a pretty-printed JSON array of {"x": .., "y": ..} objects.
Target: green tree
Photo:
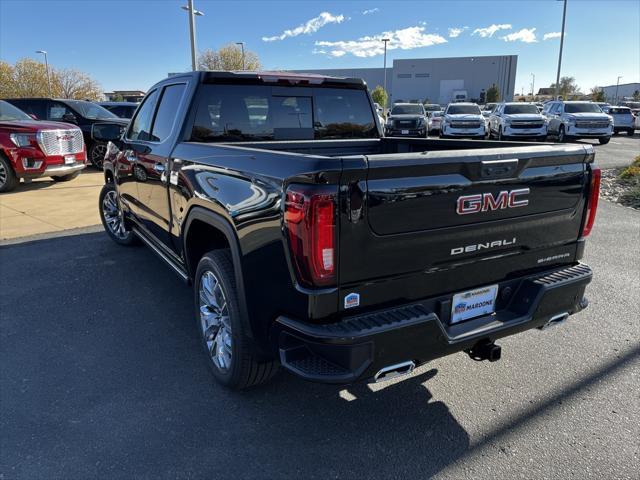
[
  {"x": 379, "y": 96},
  {"x": 228, "y": 57},
  {"x": 568, "y": 87},
  {"x": 597, "y": 95},
  {"x": 7, "y": 83},
  {"x": 493, "y": 94},
  {"x": 636, "y": 96},
  {"x": 426, "y": 101},
  {"x": 117, "y": 98}
]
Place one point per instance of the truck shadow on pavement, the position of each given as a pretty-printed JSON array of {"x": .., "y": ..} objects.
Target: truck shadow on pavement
[{"x": 103, "y": 376}]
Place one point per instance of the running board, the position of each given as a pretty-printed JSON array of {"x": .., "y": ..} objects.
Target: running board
[{"x": 163, "y": 256}]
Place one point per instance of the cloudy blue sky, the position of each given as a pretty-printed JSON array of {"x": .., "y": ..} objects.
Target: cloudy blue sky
[{"x": 130, "y": 44}]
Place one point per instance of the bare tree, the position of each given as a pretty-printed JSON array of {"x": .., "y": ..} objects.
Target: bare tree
[
  {"x": 71, "y": 83},
  {"x": 228, "y": 57}
]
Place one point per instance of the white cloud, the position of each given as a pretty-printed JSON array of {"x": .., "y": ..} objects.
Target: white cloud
[
  {"x": 456, "y": 31},
  {"x": 491, "y": 29},
  {"x": 307, "y": 28},
  {"x": 550, "y": 35},
  {"x": 370, "y": 46},
  {"x": 526, "y": 35},
  {"x": 370, "y": 11}
]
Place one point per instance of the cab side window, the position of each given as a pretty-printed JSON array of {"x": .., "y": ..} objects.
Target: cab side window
[
  {"x": 56, "y": 111},
  {"x": 140, "y": 128}
]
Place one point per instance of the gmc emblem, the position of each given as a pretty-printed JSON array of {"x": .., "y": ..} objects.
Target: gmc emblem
[{"x": 484, "y": 202}]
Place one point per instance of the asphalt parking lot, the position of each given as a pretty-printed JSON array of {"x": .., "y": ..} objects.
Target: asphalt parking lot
[{"x": 101, "y": 376}]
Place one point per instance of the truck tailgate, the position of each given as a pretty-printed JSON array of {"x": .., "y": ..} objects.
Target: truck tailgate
[{"x": 416, "y": 214}]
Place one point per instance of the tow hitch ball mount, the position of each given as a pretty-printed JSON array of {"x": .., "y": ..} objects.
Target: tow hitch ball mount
[{"x": 485, "y": 350}]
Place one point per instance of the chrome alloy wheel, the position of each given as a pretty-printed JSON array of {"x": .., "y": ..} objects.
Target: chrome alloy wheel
[
  {"x": 113, "y": 215},
  {"x": 214, "y": 320},
  {"x": 98, "y": 152},
  {"x": 3, "y": 175}
]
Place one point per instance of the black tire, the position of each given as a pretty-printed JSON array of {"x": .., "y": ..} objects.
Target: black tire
[
  {"x": 245, "y": 369},
  {"x": 630, "y": 132},
  {"x": 500, "y": 138},
  {"x": 66, "y": 178},
  {"x": 97, "y": 151},
  {"x": 122, "y": 236},
  {"x": 562, "y": 138},
  {"x": 604, "y": 140},
  {"x": 8, "y": 179}
]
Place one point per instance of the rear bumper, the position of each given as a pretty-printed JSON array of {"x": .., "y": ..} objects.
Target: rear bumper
[{"x": 356, "y": 348}]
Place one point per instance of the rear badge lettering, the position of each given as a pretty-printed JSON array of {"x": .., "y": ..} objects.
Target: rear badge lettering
[
  {"x": 485, "y": 202},
  {"x": 483, "y": 246},
  {"x": 352, "y": 300}
]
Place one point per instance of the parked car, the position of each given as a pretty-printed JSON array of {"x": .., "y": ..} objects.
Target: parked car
[
  {"x": 517, "y": 119},
  {"x": 432, "y": 107},
  {"x": 31, "y": 149},
  {"x": 602, "y": 105},
  {"x": 407, "y": 120},
  {"x": 573, "y": 120},
  {"x": 623, "y": 119},
  {"x": 120, "y": 109},
  {"x": 79, "y": 112},
  {"x": 344, "y": 260},
  {"x": 435, "y": 119},
  {"x": 463, "y": 120}
]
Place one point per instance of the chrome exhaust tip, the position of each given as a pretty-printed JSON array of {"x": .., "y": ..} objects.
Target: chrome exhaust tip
[
  {"x": 555, "y": 320},
  {"x": 393, "y": 371}
]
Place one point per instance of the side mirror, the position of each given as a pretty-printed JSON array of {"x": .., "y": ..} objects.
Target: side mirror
[
  {"x": 107, "y": 132},
  {"x": 69, "y": 117}
]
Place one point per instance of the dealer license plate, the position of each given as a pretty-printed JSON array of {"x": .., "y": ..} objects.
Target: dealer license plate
[
  {"x": 69, "y": 159},
  {"x": 473, "y": 303},
  {"x": 405, "y": 132}
]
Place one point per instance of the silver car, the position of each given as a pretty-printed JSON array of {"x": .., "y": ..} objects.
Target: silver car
[
  {"x": 623, "y": 119},
  {"x": 517, "y": 120},
  {"x": 573, "y": 120}
]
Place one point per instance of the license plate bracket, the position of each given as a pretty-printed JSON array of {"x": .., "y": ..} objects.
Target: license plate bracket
[
  {"x": 405, "y": 132},
  {"x": 473, "y": 303}
]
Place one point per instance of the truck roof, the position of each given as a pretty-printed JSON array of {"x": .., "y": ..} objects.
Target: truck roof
[{"x": 270, "y": 77}]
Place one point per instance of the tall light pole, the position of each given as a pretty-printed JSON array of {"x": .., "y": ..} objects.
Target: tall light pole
[
  {"x": 46, "y": 64},
  {"x": 241, "y": 46},
  {"x": 533, "y": 86},
  {"x": 192, "y": 31},
  {"x": 385, "y": 40},
  {"x": 615, "y": 102},
  {"x": 564, "y": 16}
]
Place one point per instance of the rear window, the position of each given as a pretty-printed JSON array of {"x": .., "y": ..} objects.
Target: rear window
[
  {"x": 231, "y": 113},
  {"x": 516, "y": 109},
  {"x": 620, "y": 110}
]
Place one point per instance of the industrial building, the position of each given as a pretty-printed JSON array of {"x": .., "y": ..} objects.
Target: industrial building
[
  {"x": 624, "y": 91},
  {"x": 435, "y": 79}
]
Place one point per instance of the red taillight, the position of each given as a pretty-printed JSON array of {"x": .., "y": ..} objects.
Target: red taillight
[
  {"x": 309, "y": 216},
  {"x": 592, "y": 202}
]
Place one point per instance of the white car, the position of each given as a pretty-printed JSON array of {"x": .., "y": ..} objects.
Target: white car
[
  {"x": 573, "y": 120},
  {"x": 623, "y": 119},
  {"x": 517, "y": 120},
  {"x": 463, "y": 120},
  {"x": 435, "y": 119}
]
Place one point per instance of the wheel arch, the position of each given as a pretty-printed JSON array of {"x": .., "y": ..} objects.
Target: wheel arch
[{"x": 220, "y": 234}]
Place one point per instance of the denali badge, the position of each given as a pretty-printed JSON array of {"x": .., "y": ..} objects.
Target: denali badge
[
  {"x": 482, "y": 246},
  {"x": 483, "y": 202}
]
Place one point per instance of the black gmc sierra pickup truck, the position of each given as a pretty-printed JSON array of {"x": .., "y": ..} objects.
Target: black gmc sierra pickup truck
[{"x": 315, "y": 243}]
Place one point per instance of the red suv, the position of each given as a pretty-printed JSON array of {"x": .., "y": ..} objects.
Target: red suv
[{"x": 31, "y": 149}]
